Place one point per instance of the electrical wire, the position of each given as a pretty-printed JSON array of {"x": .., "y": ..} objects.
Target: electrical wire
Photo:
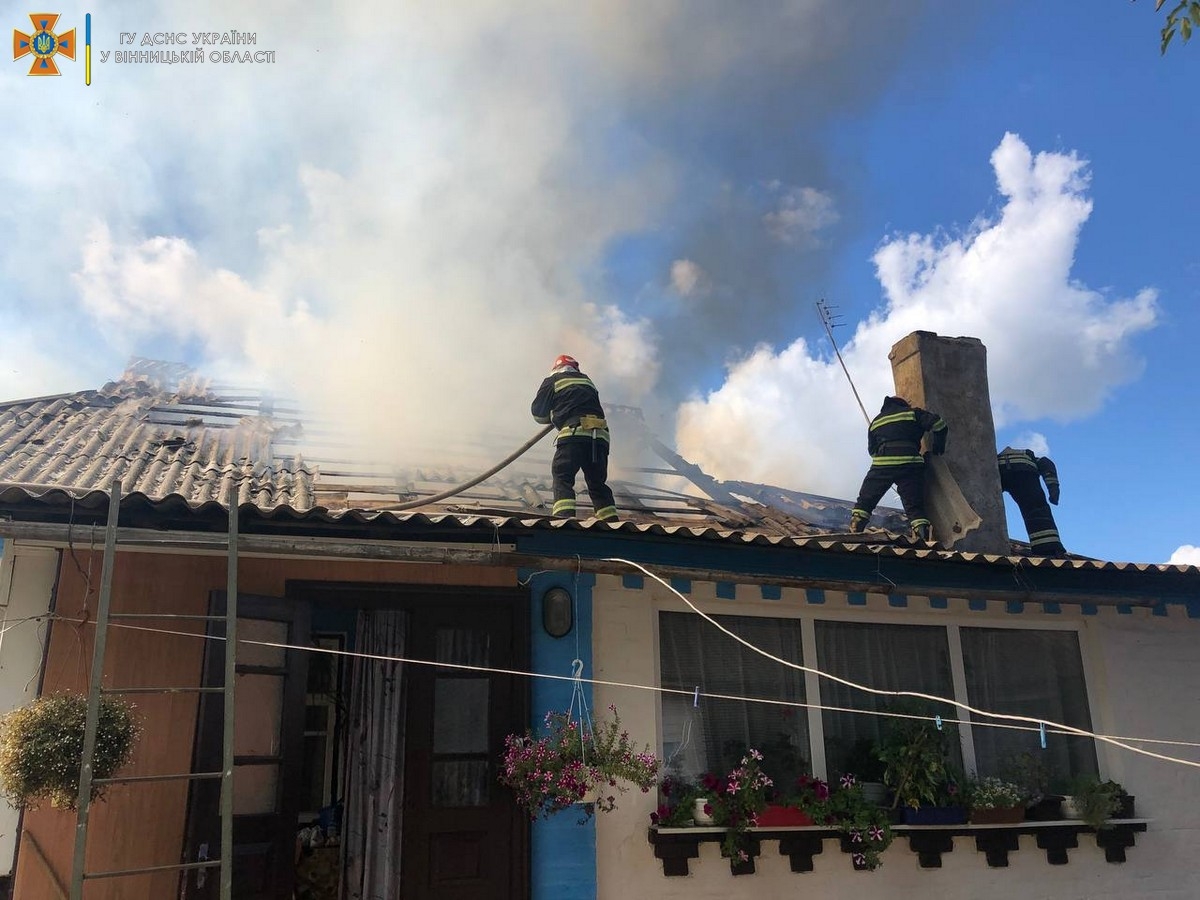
[{"x": 1051, "y": 727}]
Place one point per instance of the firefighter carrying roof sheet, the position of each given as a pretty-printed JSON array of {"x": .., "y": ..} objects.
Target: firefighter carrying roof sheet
[
  {"x": 894, "y": 442},
  {"x": 568, "y": 399},
  {"x": 1021, "y": 474}
]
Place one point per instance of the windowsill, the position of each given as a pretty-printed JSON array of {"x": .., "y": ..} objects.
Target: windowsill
[{"x": 675, "y": 846}]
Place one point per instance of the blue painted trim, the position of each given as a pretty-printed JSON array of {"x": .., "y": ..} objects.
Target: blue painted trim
[
  {"x": 1088, "y": 609},
  {"x": 899, "y": 601},
  {"x": 920, "y": 575},
  {"x": 814, "y": 595},
  {"x": 562, "y": 856},
  {"x": 1052, "y": 608},
  {"x": 856, "y": 598},
  {"x": 1124, "y": 609},
  {"x": 771, "y": 592},
  {"x": 976, "y": 605},
  {"x": 1159, "y": 609},
  {"x": 726, "y": 590},
  {"x": 633, "y": 582},
  {"x": 683, "y": 585},
  {"x": 939, "y": 603},
  {"x": 1193, "y": 609},
  {"x": 1014, "y": 606}
]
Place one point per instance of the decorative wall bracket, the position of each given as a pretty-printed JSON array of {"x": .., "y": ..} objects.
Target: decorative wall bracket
[{"x": 676, "y": 846}]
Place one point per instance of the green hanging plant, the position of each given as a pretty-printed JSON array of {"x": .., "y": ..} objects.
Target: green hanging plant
[{"x": 41, "y": 748}]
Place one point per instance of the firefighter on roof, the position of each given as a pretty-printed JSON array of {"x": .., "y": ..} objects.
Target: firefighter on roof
[
  {"x": 1021, "y": 474},
  {"x": 894, "y": 442},
  {"x": 568, "y": 399}
]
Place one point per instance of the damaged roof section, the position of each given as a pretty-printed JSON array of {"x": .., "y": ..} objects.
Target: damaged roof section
[{"x": 166, "y": 433}]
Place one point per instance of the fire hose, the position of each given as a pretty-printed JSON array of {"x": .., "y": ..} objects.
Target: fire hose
[{"x": 458, "y": 489}]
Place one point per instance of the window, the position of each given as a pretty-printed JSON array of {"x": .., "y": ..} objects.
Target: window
[
  {"x": 1024, "y": 671},
  {"x": 1030, "y": 673},
  {"x": 714, "y": 735},
  {"x": 887, "y": 657}
]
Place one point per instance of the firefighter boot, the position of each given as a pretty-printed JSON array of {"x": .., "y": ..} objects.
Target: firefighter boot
[
  {"x": 920, "y": 531},
  {"x": 858, "y": 522}
]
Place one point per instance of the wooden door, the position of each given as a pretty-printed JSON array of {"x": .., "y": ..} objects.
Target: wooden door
[
  {"x": 464, "y": 838},
  {"x": 268, "y": 737}
]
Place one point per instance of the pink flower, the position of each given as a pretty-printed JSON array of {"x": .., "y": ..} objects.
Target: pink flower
[
  {"x": 742, "y": 857},
  {"x": 859, "y": 859},
  {"x": 876, "y": 833},
  {"x": 848, "y": 780},
  {"x": 856, "y": 837}
]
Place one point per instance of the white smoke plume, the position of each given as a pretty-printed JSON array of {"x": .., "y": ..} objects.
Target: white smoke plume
[
  {"x": 1056, "y": 348},
  {"x": 405, "y": 217}
]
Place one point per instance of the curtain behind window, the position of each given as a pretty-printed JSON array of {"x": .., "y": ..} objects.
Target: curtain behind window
[
  {"x": 886, "y": 657},
  {"x": 1030, "y": 673},
  {"x": 714, "y": 736},
  {"x": 374, "y": 754}
]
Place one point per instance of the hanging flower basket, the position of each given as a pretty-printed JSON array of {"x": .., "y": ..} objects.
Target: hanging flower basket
[
  {"x": 41, "y": 748},
  {"x": 571, "y": 764}
]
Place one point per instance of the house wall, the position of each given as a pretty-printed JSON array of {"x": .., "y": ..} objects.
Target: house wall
[
  {"x": 1144, "y": 679},
  {"x": 26, "y": 589},
  {"x": 142, "y": 825}
]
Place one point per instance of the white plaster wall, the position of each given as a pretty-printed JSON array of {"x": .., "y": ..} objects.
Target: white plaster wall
[
  {"x": 26, "y": 586},
  {"x": 1144, "y": 677}
]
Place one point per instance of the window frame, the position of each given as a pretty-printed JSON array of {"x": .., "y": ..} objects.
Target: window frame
[{"x": 951, "y": 620}]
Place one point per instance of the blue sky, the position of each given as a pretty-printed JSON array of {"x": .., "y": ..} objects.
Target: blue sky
[{"x": 405, "y": 239}]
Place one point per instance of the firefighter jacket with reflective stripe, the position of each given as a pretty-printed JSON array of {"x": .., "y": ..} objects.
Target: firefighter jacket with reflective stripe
[
  {"x": 568, "y": 400},
  {"x": 894, "y": 437},
  {"x": 1017, "y": 461}
]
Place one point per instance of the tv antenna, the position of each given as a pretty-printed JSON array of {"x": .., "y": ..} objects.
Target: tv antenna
[{"x": 829, "y": 318}]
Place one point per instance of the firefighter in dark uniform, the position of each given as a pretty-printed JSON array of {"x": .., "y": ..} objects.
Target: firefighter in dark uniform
[
  {"x": 1021, "y": 474},
  {"x": 568, "y": 400},
  {"x": 894, "y": 442}
]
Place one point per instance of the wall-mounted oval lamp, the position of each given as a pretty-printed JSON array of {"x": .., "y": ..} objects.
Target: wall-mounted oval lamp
[{"x": 557, "y": 615}]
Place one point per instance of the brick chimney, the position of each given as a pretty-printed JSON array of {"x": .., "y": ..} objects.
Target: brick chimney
[{"x": 948, "y": 376}]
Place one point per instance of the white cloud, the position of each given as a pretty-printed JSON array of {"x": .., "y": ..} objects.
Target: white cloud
[
  {"x": 1031, "y": 440},
  {"x": 799, "y": 214},
  {"x": 686, "y": 277},
  {"x": 1056, "y": 348},
  {"x": 1186, "y": 555}
]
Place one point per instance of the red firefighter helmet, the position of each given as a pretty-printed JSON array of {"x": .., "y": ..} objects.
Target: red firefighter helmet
[{"x": 565, "y": 360}]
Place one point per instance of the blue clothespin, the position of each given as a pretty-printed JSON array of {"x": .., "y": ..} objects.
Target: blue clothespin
[
  {"x": 937, "y": 720},
  {"x": 696, "y": 698},
  {"x": 1042, "y": 731}
]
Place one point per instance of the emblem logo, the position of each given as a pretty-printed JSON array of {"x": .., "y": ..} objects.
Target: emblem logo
[{"x": 44, "y": 44}]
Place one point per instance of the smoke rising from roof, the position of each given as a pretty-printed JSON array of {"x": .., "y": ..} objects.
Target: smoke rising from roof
[{"x": 404, "y": 219}]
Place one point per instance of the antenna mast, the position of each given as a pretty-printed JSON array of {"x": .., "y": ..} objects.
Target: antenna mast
[{"x": 829, "y": 320}]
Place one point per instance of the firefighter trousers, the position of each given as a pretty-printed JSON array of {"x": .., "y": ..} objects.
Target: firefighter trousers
[
  {"x": 910, "y": 485},
  {"x": 1025, "y": 487},
  {"x": 590, "y": 455}
]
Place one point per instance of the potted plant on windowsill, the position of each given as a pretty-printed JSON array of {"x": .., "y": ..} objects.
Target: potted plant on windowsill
[
  {"x": 1093, "y": 801},
  {"x": 741, "y": 798},
  {"x": 863, "y": 762},
  {"x": 916, "y": 753},
  {"x": 993, "y": 801},
  {"x": 1031, "y": 774},
  {"x": 570, "y": 764}
]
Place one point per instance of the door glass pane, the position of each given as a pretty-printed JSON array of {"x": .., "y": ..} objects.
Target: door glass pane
[
  {"x": 463, "y": 647},
  {"x": 255, "y": 790},
  {"x": 460, "y": 715},
  {"x": 261, "y": 630},
  {"x": 257, "y": 707},
  {"x": 312, "y": 775},
  {"x": 461, "y": 782}
]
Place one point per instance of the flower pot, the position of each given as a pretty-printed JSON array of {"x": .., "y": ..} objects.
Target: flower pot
[
  {"x": 699, "y": 816},
  {"x": 874, "y": 792},
  {"x": 1048, "y": 809},
  {"x": 1126, "y": 809},
  {"x": 1070, "y": 809},
  {"x": 935, "y": 815},
  {"x": 783, "y": 817},
  {"x": 998, "y": 815}
]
